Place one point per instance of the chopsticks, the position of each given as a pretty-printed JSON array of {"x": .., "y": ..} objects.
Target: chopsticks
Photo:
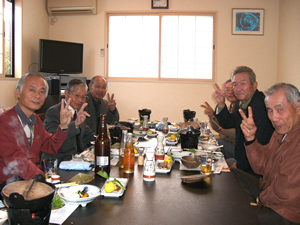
[{"x": 215, "y": 122}]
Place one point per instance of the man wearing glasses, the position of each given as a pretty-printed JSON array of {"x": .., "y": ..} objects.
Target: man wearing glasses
[
  {"x": 98, "y": 105},
  {"x": 79, "y": 135}
]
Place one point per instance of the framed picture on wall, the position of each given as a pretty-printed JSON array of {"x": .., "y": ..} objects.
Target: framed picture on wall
[{"x": 248, "y": 21}]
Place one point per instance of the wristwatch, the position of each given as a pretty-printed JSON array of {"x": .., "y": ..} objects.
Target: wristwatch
[{"x": 63, "y": 129}]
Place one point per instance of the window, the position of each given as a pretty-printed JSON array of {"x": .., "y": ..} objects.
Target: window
[
  {"x": 161, "y": 46},
  {"x": 7, "y": 34}
]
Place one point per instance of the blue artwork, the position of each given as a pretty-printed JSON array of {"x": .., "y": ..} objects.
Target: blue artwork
[{"x": 247, "y": 21}]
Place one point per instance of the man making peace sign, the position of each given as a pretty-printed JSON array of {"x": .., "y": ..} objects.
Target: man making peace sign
[{"x": 278, "y": 192}]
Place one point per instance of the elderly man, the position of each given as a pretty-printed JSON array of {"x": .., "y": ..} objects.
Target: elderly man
[
  {"x": 22, "y": 135},
  {"x": 279, "y": 188},
  {"x": 245, "y": 90},
  {"x": 227, "y": 136},
  {"x": 79, "y": 135},
  {"x": 97, "y": 105}
]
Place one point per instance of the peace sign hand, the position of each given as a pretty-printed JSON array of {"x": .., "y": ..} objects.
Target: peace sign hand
[
  {"x": 219, "y": 95},
  {"x": 111, "y": 102},
  {"x": 65, "y": 114},
  {"x": 248, "y": 126},
  {"x": 81, "y": 115},
  {"x": 208, "y": 109}
]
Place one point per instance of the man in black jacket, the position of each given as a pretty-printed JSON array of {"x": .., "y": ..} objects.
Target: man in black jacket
[{"x": 245, "y": 90}]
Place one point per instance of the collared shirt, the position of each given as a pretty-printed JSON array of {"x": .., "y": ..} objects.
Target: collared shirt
[
  {"x": 26, "y": 122},
  {"x": 245, "y": 105}
]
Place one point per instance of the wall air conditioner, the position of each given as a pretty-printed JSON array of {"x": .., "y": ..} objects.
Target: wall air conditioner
[{"x": 71, "y": 7}]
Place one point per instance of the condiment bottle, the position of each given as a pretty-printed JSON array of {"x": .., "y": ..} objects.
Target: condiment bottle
[
  {"x": 122, "y": 148},
  {"x": 145, "y": 125},
  {"x": 141, "y": 157},
  {"x": 149, "y": 167},
  {"x": 160, "y": 150},
  {"x": 129, "y": 155},
  {"x": 102, "y": 148},
  {"x": 165, "y": 127}
]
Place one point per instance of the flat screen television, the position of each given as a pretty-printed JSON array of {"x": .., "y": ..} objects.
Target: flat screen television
[{"x": 60, "y": 57}]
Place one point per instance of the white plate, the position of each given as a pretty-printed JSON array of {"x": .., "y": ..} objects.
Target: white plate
[
  {"x": 157, "y": 170},
  {"x": 209, "y": 142},
  {"x": 152, "y": 135},
  {"x": 67, "y": 194},
  {"x": 3, "y": 216},
  {"x": 177, "y": 155},
  {"x": 140, "y": 134},
  {"x": 169, "y": 142},
  {"x": 174, "y": 129},
  {"x": 119, "y": 193},
  {"x": 114, "y": 151}
]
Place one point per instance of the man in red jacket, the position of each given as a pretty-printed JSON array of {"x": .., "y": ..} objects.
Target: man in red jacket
[
  {"x": 277, "y": 193},
  {"x": 22, "y": 135}
]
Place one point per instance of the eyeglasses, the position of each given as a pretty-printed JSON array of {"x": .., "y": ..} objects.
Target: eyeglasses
[
  {"x": 77, "y": 96},
  {"x": 228, "y": 89}
]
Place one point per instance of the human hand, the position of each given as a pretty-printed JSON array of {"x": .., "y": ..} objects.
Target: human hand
[
  {"x": 111, "y": 102},
  {"x": 233, "y": 166},
  {"x": 219, "y": 95},
  {"x": 65, "y": 114},
  {"x": 248, "y": 126},
  {"x": 208, "y": 109},
  {"x": 222, "y": 130},
  {"x": 81, "y": 115}
]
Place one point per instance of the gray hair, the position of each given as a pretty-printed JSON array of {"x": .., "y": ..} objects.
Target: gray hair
[
  {"x": 242, "y": 69},
  {"x": 74, "y": 83},
  {"x": 92, "y": 80},
  {"x": 291, "y": 92},
  {"x": 23, "y": 79}
]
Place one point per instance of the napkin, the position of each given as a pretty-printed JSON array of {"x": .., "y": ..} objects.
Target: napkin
[
  {"x": 60, "y": 215},
  {"x": 74, "y": 165}
]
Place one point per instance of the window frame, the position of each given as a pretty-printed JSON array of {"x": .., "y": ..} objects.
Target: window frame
[{"x": 159, "y": 79}]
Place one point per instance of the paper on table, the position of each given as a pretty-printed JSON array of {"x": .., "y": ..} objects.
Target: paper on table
[
  {"x": 114, "y": 161},
  {"x": 60, "y": 215}
]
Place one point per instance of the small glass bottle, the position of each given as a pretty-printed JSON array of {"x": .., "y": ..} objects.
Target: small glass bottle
[
  {"x": 122, "y": 148},
  {"x": 160, "y": 150},
  {"x": 141, "y": 157},
  {"x": 149, "y": 167},
  {"x": 145, "y": 125},
  {"x": 129, "y": 155},
  {"x": 165, "y": 127},
  {"x": 102, "y": 148}
]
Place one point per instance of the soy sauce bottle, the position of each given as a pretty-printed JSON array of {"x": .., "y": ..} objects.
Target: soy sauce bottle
[{"x": 102, "y": 148}]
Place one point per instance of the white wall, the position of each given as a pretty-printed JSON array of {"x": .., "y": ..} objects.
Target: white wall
[
  {"x": 289, "y": 42},
  {"x": 166, "y": 98}
]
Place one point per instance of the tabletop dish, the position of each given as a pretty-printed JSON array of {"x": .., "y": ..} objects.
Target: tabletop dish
[
  {"x": 160, "y": 170},
  {"x": 82, "y": 178},
  {"x": 171, "y": 142},
  {"x": 177, "y": 155},
  {"x": 152, "y": 134},
  {"x": 118, "y": 193},
  {"x": 139, "y": 133},
  {"x": 114, "y": 151},
  {"x": 174, "y": 129},
  {"x": 3, "y": 216},
  {"x": 69, "y": 194},
  {"x": 190, "y": 161}
]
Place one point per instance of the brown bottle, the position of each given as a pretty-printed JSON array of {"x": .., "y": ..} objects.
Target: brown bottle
[
  {"x": 102, "y": 148},
  {"x": 129, "y": 155}
]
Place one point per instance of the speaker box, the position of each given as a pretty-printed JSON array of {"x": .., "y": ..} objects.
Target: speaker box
[{"x": 54, "y": 87}]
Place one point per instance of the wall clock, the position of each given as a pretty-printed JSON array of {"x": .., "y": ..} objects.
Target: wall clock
[{"x": 159, "y": 4}]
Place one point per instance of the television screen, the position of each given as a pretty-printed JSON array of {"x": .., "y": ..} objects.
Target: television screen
[{"x": 60, "y": 57}]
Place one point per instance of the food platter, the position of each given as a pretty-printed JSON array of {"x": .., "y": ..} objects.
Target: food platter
[
  {"x": 160, "y": 170},
  {"x": 178, "y": 154},
  {"x": 118, "y": 193},
  {"x": 68, "y": 194},
  {"x": 139, "y": 134},
  {"x": 171, "y": 142}
]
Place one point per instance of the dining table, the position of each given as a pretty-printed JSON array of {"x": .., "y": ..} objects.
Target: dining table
[{"x": 217, "y": 199}]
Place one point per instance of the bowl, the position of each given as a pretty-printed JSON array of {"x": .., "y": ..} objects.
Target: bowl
[
  {"x": 190, "y": 161},
  {"x": 69, "y": 194},
  {"x": 210, "y": 147}
]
